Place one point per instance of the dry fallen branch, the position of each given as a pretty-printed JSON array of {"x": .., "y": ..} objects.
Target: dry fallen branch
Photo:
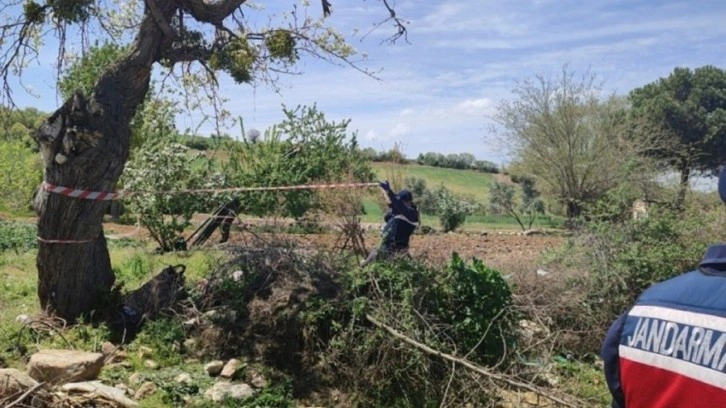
[
  {"x": 483, "y": 371},
  {"x": 25, "y": 395}
]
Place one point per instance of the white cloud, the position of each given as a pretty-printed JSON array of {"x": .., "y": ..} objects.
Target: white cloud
[
  {"x": 371, "y": 135},
  {"x": 400, "y": 129},
  {"x": 478, "y": 106}
]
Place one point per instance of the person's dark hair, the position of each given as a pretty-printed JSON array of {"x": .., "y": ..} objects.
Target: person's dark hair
[{"x": 405, "y": 195}]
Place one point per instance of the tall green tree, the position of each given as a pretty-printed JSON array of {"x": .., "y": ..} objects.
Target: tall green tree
[
  {"x": 85, "y": 143},
  {"x": 563, "y": 132},
  {"x": 690, "y": 105}
]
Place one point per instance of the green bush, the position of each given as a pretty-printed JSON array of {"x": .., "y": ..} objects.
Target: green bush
[
  {"x": 464, "y": 309},
  {"x": 614, "y": 263},
  {"x": 304, "y": 148},
  {"x": 476, "y": 301},
  {"x": 20, "y": 176},
  {"x": 637, "y": 253},
  {"x": 158, "y": 169},
  {"x": 17, "y": 236},
  {"x": 450, "y": 209}
]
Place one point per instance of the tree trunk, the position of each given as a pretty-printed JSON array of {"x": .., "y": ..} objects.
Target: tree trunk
[
  {"x": 684, "y": 185},
  {"x": 85, "y": 145},
  {"x": 573, "y": 209}
]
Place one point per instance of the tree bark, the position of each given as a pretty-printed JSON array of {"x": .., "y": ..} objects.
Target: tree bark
[
  {"x": 684, "y": 185},
  {"x": 84, "y": 145}
]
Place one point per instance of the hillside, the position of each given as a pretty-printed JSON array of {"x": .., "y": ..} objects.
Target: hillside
[{"x": 465, "y": 182}]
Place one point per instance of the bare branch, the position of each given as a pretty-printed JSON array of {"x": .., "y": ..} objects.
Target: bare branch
[
  {"x": 471, "y": 366},
  {"x": 399, "y": 24}
]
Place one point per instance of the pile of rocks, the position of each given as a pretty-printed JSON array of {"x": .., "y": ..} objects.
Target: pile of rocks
[{"x": 61, "y": 375}]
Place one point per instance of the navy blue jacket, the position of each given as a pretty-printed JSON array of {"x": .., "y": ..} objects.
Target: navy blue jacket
[
  {"x": 669, "y": 349},
  {"x": 401, "y": 221}
]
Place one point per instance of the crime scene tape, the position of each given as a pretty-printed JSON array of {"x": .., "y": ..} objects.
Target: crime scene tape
[{"x": 117, "y": 195}]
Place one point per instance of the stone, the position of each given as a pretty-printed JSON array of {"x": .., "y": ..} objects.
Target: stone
[
  {"x": 231, "y": 368},
  {"x": 108, "y": 348},
  {"x": 225, "y": 389},
  {"x": 61, "y": 366},
  {"x": 258, "y": 381},
  {"x": 214, "y": 368},
  {"x": 112, "y": 353},
  {"x": 542, "y": 272},
  {"x": 184, "y": 378},
  {"x": 241, "y": 391},
  {"x": 135, "y": 379},
  {"x": 151, "y": 364},
  {"x": 145, "y": 351},
  {"x": 145, "y": 390},
  {"x": 97, "y": 389}
]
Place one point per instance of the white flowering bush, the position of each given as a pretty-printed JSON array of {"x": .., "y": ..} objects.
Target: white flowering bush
[{"x": 159, "y": 172}]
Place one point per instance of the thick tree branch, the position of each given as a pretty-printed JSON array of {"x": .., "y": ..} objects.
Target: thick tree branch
[
  {"x": 210, "y": 11},
  {"x": 159, "y": 18}
]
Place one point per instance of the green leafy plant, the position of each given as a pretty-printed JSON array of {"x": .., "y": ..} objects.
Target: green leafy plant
[
  {"x": 20, "y": 176},
  {"x": 477, "y": 302},
  {"x": 451, "y": 210},
  {"x": 159, "y": 170},
  {"x": 464, "y": 309},
  {"x": 165, "y": 336},
  {"x": 18, "y": 237},
  {"x": 304, "y": 148}
]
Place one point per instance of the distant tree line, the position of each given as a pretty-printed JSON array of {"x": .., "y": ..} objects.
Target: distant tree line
[{"x": 461, "y": 161}]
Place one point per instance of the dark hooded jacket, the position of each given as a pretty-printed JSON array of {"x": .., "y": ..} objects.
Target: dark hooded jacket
[{"x": 401, "y": 221}]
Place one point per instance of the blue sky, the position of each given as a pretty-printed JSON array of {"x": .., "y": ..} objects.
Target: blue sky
[{"x": 438, "y": 92}]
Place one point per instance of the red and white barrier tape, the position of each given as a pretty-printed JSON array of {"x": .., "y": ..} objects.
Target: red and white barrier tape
[
  {"x": 117, "y": 195},
  {"x": 64, "y": 241}
]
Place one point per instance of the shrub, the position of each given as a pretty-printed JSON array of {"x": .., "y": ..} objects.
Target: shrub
[
  {"x": 615, "y": 262},
  {"x": 463, "y": 309},
  {"x": 450, "y": 209},
  {"x": 20, "y": 176},
  {"x": 158, "y": 169},
  {"x": 18, "y": 237},
  {"x": 304, "y": 148}
]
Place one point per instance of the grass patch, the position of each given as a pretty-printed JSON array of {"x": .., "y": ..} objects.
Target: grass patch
[
  {"x": 464, "y": 182},
  {"x": 584, "y": 380},
  {"x": 133, "y": 266}
]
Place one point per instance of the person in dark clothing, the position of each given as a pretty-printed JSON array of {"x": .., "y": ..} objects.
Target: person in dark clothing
[
  {"x": 669, "y": 349},
  {"x": 401, "y": 220}
]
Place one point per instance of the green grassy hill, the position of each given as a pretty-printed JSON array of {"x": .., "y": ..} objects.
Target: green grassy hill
[
  {"x": 464, "y": 182},
  {"x": 472, "y": 184}
]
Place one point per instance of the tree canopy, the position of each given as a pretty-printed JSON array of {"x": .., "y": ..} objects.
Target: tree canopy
[
  {"x": 690, "y": 105},
  {"x": 566, "y": 135}
]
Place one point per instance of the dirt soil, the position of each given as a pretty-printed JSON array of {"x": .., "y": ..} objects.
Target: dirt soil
[{"x": 496, "y": 248}]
